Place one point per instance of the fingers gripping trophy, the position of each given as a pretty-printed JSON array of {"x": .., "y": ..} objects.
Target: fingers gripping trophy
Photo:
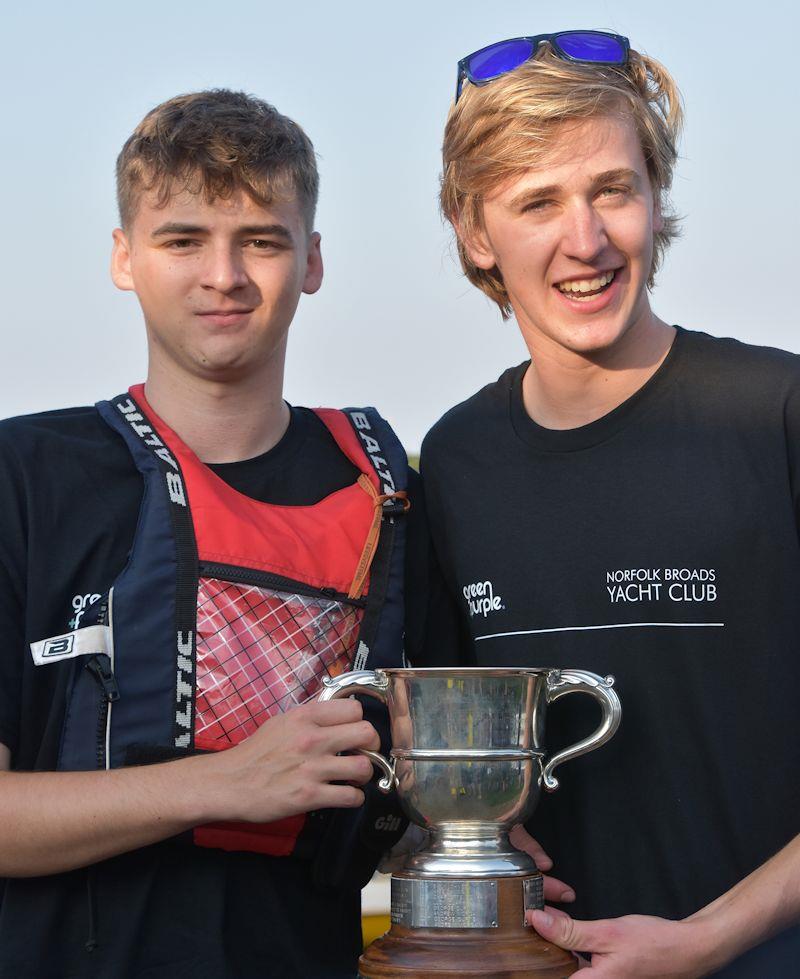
[{"x": 467, "y": 763}]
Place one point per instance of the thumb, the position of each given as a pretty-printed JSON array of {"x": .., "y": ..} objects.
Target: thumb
[{"x": 557, "y": 927}]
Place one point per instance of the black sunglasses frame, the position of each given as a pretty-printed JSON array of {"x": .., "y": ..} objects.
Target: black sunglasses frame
[{"x": 464, "y": 74}]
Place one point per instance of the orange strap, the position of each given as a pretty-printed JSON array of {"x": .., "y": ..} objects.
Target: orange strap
[{"x": 373, "y": 536}]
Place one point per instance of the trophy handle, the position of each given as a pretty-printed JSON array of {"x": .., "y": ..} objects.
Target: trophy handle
[
  {"x": 371, "y": 683},
  {"x": 563, "y": 682}
]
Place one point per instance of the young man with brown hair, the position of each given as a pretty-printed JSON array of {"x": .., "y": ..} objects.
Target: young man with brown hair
[
  {"x": 626, "y": 501},
  {"x": 180, "y": 569}
]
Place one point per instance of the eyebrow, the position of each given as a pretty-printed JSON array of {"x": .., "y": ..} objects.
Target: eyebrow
[
  {"x": 553, "y": 190},
  {"x": 621, "y": 174},
  {"x": 263, "y": 230}
]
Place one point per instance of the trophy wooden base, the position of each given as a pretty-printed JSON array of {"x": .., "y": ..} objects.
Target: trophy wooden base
[{"x": 509, "y": 951}]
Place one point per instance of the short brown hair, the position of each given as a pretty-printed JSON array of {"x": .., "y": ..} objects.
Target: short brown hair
[
  {"x": 500, "y": 130},
  {"x": 215, "y": 143}
]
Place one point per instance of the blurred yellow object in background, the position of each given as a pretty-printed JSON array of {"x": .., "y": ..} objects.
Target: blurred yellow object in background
[
  {"x": 373, "y": 926},
  {"x": 375, "y": 905}
]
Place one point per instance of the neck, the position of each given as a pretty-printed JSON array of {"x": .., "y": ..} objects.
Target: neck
[
  {"x": 220, "y": 421},
  {"x": 565, "y": 389}
]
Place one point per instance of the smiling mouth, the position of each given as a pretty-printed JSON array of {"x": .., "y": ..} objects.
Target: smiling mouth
[{"x": 583, "y": 289}]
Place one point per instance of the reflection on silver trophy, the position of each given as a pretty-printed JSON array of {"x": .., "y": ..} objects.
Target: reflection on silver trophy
[{"x": 467, "y": 761}]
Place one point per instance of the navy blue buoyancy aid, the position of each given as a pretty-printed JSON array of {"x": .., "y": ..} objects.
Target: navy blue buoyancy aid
[{"x": 230, "y": 611}]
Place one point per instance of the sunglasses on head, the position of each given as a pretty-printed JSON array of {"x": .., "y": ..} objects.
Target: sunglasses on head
[{"x": 583, "y": 47}]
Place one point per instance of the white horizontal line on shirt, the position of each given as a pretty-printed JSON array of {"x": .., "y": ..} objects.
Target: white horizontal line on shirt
[{"x": 615, "y": 625}]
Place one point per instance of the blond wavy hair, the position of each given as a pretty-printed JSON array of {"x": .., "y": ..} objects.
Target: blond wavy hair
[
  {"x": 216, "y": 143},
  {"x": 500, "y": 130}
]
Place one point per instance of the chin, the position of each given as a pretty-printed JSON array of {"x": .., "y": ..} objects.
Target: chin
[
  {"x": 222, "y": 358},
  {"x": 224, "y": 372},
  {"x": 217, "y": 368},
  {"x": 594, "y": 338}
]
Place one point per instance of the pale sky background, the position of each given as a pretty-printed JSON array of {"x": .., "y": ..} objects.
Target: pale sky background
[{"x": 395, "y": 324}]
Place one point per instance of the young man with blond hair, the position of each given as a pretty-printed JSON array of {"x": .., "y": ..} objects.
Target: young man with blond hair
[
  {"x": 180, "y": 569},
  {"x": 629, "y": 498}
]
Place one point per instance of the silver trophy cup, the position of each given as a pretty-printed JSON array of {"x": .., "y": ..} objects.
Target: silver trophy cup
[{"x": 468, "y": 761}]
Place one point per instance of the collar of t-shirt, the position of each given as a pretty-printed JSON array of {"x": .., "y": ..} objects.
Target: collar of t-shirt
[
  {"x": 305, "y": 466},
  {"x": 585, "y": 436}
]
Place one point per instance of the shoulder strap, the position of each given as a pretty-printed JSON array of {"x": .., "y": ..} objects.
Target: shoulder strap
[
  {"x": 158, "y": 464},
  {"x": 382, "y": 448},
  {"x": 380, "y": 637}
]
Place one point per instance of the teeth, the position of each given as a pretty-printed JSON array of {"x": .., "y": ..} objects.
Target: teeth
[{"x": 586, "y": 285}]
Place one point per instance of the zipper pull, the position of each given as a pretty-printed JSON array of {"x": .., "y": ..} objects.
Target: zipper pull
[{"x": 100, "y": 668}]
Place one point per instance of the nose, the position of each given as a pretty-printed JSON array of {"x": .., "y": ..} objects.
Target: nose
[
  {"x": 584, "y": 234},
  {"x": 224, "y": 269}
]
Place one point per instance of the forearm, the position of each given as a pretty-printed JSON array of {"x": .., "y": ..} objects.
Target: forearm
[
  {"x": 294, "y": 763},
  {"x": 758, "y": 907},
  {"x": 56, "y": 821}
]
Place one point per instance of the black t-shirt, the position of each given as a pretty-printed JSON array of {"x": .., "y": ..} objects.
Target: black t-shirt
[
  {"x": 658, "y": 544},
  {"x": 69, "y": 499}
]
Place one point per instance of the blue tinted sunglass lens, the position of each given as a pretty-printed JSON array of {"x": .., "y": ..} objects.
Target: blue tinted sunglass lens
[
  {"x": 499, "y": 58},
  {"x": 586, "y": 46}
]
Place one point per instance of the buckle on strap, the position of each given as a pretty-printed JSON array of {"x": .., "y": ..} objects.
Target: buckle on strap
[{"x": 385, "y": 504}]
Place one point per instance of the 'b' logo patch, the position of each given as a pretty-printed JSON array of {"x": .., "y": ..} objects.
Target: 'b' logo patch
[
  {"x": 61, "y": 646},
  {"x": 88, "y": 641}
]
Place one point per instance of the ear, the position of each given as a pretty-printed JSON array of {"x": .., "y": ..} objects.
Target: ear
[
  {"x": 313, "y": 277},
  {"x": 477, "y": 246},
  {"x": 121, "y": 261}
]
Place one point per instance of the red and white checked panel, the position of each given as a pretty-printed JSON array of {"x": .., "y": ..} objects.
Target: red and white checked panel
[{"x": 260, "y": 653}]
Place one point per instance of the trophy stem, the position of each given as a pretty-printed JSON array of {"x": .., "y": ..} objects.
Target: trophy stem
[{"x": 473, "y": 849}]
